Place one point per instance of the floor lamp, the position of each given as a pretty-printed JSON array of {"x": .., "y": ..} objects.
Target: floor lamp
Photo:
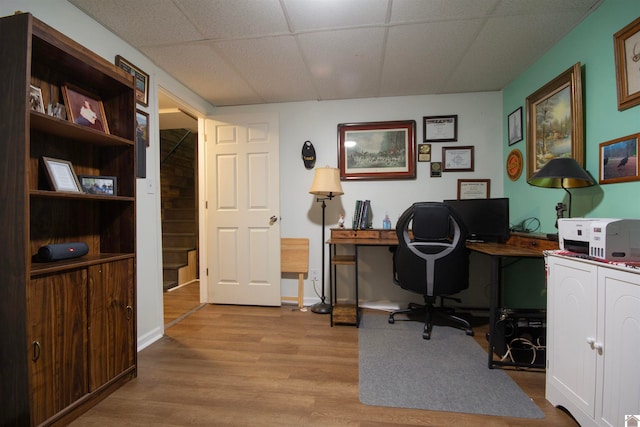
[
  {"x": 326, "y": 185},
  {"x": 561, "y": 172}
]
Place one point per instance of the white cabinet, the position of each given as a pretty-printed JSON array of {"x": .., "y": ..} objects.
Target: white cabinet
[{"x": 593, "y": 340}]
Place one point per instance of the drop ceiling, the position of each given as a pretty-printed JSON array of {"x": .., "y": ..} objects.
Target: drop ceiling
[{"x": 236, "y": 52}]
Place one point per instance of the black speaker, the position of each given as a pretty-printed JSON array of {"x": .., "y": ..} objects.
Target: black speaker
[{"x": 60, "y": 251}]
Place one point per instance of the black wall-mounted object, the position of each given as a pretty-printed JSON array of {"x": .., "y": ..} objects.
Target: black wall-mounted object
[{"x": 308, "y": 155}]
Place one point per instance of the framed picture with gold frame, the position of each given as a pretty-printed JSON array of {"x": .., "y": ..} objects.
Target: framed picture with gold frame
[
  {"x": 619, "y": 160},
  {"x": 555, "y": 126},
  {"x": 627, "y": 53}
]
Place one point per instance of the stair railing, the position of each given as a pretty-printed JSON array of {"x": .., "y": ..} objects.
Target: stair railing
[{"x": 175, "y": 147}]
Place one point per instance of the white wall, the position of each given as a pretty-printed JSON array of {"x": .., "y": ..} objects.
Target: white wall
[
  {"x": 479, "y": 124},
  {"x": 69, "y": 20}
]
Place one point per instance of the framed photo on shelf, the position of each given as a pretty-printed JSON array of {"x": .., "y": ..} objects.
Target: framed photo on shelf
[
  {"x": 515, "y": 126},
  {"x": 35, "y": 99},
  {"x": 440, "y": 128},
  {"x": 474, "y": 188},
  {"x": 555, "y": 125},
  {"x": 377, "y": 150},
  {"x": 61, "y": 175},
  {"x": 457, "y": 159},
  {"x": 101, "y": 185},
  {"x": 141, "y": 80},
  {"x": 627, "y": 55},
  {"x": 84, "y": 108},
  {"x": 619, "y": 160}
]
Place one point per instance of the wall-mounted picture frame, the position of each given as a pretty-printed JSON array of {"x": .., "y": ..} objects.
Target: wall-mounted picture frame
[
  {"x": 474, "y": 188},
  {"x": 36, "y": 102},
  {"x": 555, "y": 126},
  {"x": 436, "y": 169},
  {"x": 142, "y": 127},
  {"x": 440, "y": 128},
  {"x": 458, "y": 159},
  {"x": 514, "y": 126},
  {"x": 84, "y": 108},
  {"x": 61, "y": 175},
  {"x": 626, "y": 45},
  {"x": 100, "y": 185},
  {"x": 377, "y": 150},
  {"x": 619, "y": 160},
  {"x": 141, "y": 80},
  {"x": 424, "y": 152}
]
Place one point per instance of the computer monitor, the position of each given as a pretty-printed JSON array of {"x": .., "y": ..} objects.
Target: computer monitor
[{"x": 486, "y": 219}]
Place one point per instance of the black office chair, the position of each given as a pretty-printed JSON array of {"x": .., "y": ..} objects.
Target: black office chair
[{"x": 434, "y": 263}]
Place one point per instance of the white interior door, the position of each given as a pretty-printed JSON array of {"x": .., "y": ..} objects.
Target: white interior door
[{"x": 243, "y": 201}]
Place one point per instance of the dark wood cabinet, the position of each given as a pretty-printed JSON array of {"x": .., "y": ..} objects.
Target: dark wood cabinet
[{"x": 70, "y": 325}]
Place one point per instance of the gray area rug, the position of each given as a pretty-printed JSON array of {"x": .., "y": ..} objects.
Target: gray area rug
[{"x": 446, "y": 373}]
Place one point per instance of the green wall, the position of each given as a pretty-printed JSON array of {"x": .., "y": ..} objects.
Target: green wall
[{"x": 591, "y": 44}]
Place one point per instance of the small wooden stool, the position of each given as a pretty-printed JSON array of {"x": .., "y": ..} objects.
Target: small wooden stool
[{"x": 294, "y": 258}]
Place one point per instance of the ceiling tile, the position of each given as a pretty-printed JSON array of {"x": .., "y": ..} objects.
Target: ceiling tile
[
  {"x": 310, "y": 15},
  {"x": 235, "y": 19}
]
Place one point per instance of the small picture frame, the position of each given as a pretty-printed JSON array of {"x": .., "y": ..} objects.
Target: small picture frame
[
  {"x": 424, "y": 152},
  {"x": 619, "y": 160},
  {"x": 436, "y": 169},
  {"x": 142, "y": 127},
  {"x": 35, "y": 99},
  {"x": 99, "y": 185},
  {"x": 440, "y": 128},
  {"x": 61, "y": 175},
  {"x": 627, "y": 57},
  {"x": 457, "y": 159},
  {"x": 514, "y": 127},
  {"x": 141, "y": 80},
  {"x": 84, "y": 108},
  {"x": 474, "y": 188}
]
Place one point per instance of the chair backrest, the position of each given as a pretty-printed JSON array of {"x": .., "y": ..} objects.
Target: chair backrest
[{"x": 435, "y": 261}]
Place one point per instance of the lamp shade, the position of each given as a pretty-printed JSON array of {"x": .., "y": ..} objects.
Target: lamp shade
[
  {"x": 561, "y": 172},
  {"x": 326, "y": 182}
]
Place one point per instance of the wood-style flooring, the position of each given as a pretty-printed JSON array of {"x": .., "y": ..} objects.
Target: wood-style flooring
[
  {"x": 180, "y": 302},
  {"x": 271, "y": 366}
]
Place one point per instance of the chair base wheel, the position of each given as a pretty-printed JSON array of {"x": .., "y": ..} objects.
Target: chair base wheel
[{"x": 392, "y": 320}]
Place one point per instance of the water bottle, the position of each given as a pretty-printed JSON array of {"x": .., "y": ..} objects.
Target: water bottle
[{"x": 386, "y": 222}]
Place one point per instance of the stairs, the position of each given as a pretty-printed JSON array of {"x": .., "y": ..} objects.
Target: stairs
[{"x": 179, "y": 207}]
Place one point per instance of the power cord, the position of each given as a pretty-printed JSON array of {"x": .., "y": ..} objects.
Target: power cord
[
  {"x": 528, "y": 225},
  {"x": 526, "y": 344}
]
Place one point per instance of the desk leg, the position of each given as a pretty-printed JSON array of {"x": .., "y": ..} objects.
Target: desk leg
[{"x": 493, "y": 304}]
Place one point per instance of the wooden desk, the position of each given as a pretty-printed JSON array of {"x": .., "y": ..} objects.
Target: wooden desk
[{"x": 519, "y": 245}]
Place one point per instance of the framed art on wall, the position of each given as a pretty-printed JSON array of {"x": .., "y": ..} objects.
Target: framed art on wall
[
  {"x": 141, "y": 80},
  {"x": 514, "y": 124},
  {"x": 377, "y": 150},
  {"x": 627, "y": 54},
  {"x": 555, "y": 122},
  {"x": 619, "y": 160},
  {"x": 474, "y": 188},
  {"x": 457, "y": 159},
  {"x": 440, "y": 128}
]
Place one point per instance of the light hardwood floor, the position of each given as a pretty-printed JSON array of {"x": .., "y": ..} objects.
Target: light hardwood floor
[{"x": 261, "y": 366}]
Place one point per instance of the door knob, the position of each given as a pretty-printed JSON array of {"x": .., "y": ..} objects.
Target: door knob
[{"x": 273, "y": 220}]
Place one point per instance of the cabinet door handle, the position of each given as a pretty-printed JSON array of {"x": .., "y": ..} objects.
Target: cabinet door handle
[
  {"x": 129, "y": 312},
  {"x": 36, "y": 351}
]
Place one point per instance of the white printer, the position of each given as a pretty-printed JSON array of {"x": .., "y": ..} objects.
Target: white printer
[{"x": 606, "y": 238}]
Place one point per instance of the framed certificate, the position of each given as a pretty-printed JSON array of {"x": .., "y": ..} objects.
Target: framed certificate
[
  {"x": 61, "y": 175},
  {"x": 458, "y": 159},
  {"x": 474, "y": 188},
  {"x": 440, "y": 128}
]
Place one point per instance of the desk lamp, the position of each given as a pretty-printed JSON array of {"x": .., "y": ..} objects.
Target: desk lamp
[
  {"x": 326, "y": 185},
  {"x": 565, "y": 173}
]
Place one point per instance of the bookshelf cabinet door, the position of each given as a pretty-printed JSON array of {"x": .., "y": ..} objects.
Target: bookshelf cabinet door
[
  {"x": 56, "y": 318},
  {"x": 111, "y": 321}
]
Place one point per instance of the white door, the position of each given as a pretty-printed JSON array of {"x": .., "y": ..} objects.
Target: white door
[{"x": 243, "y": 201}]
